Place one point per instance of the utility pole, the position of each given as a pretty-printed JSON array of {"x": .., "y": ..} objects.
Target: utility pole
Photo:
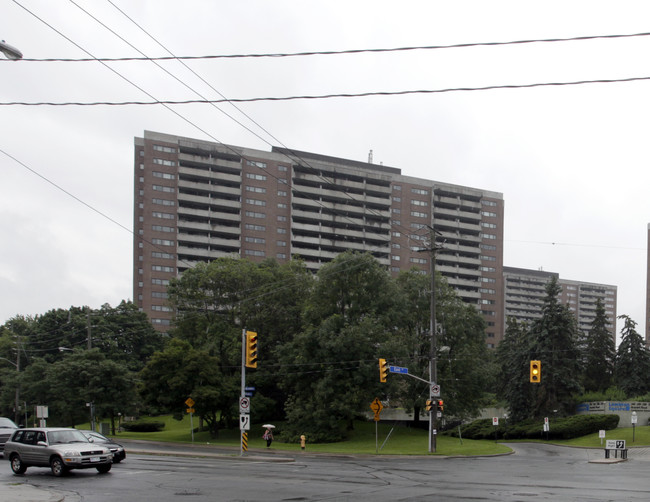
[
  {"x": 433, "y": 350},
  {"x": 89, "y": 341}
]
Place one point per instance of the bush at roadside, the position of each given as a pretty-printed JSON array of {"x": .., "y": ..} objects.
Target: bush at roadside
[
  {"x": 559, "y": 428},
  {"x": 143, "y": 426}
]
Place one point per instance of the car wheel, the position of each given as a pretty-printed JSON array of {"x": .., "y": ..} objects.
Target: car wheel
[
  {"x": 103, "y": 469},
  {"x": 58, "y": 467},
  {"x": 17, "y": 465},
  {"x": 117, "y": 460}
]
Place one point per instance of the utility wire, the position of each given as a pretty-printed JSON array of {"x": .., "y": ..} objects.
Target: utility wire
[
  {"x": 322, "y": 96},
  {"x": 342, "y": 52}
]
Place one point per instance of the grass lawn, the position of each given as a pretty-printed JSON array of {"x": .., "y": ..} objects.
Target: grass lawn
[{"x": 402, "y": 440}]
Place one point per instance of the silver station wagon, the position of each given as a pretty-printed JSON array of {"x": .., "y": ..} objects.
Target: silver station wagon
[{"x": 57, "y": 448}]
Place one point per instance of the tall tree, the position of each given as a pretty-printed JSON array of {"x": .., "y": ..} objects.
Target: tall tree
[
  {"x": 600, "y": 353},
  {"x": 332, "y": 364},
  {"x": 513, "y": 356},
  {"x": 632, "y": 361},
  {"x": 181, "y": 371},
  {"x": 555, "y": 343}
]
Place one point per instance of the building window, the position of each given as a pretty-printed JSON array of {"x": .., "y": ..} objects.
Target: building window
[
  {"x": 163, "y": 202},
  {"x": 282, "y": 193},
  {"x": 160, "y": 282},
  {"x": 488, "y": 258},
  {"x": 488, "y": 236},
  {"x": 282, "y": 218},
  {"x": 165, "y": 176},
  {"x": 253, "y": 252},
  {"x": 395, "y": 257},
  {"x": 161, "y": 228},
  {"x": 158, "y": 254},
  {"x": 166, "y": 149},
  {"x": 164, "y": 216},
  {"x": 490, "y": 214},
  {"x": 162, "y": 268},
  {"x": 261, "y": 165},
  {"x": 488, "y": 225},
  {"x": 253, "y": 214},
  {"x": 256, "y": 202},
  {"x": 421, "y": 261},
  {"x": 418, "y": 214},
  {"x": 282, "y": 230},
  {"x": 160, "y": 188},
  {"x": 419, "y": 191},
  {"x": 282, "y": 168},
  {"x": 163, "y": 242},
  {"x": 258, "y": 177},
  {"x": 164, "y": 162},
  {"x": 256, "y": 189},
  {"x": 397, "y": 199},
  {"x": 397, "y": 187},
  {"x": 488, "y": 203},
  {"x": 282, "y": 256},
  {"x": 161, "y": 308},
  {"x": 256, "y": 240},
  {"x": 159, "y": 294},
  {"x": 282, "y": 206},
  {"x": 250, "y": 226},
  {"x": 419, "y": 203},
  {"x": 397, "y": 211},
  {"x": 282, "y": 244}
]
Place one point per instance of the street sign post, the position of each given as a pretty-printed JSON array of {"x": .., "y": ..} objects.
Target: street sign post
[{"x": 244, "y": 422}]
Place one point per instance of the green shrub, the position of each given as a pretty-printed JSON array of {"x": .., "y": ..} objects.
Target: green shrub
[
  {"x": 143, "y": 426},
  {"x": 559, "y": 428}
]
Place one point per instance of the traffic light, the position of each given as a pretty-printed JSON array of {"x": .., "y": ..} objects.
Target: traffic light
[
  {"x": 441, "y": 405},
  {"x": 383, "y": 370},
  {"x": 535, "y": 371},
  {"x": 429, "y": 405},
  {"x": 251, "y": 349}
]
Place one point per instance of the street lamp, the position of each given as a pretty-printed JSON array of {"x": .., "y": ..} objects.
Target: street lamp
[
  {"x": 9, "y": 51},
  {"x": 17, "y": 404}
]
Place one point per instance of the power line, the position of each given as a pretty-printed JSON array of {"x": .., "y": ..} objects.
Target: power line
[
  {"x": 341, "y": 52},
  {"x": 323, "y": 96}
]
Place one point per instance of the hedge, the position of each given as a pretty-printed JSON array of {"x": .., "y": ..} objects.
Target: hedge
[
  {"x": 559, "y": 428},
  {"x": 143, "y": 426}
]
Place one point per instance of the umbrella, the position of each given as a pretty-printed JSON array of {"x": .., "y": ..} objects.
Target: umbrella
[{"x": 269, "y": 426}]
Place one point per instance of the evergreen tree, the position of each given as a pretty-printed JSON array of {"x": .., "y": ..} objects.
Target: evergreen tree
[
  {"x": 600, "y": 353},
  {"x": 632, "y": 361},
  {"x": 513, "y": 359},
  {"x": 555, "y": 343}
]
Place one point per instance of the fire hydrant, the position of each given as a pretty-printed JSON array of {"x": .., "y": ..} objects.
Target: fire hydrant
[{"x": 303, "y": 440}]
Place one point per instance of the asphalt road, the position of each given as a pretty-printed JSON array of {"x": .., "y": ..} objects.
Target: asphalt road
[{"x": 535, "y": 472}]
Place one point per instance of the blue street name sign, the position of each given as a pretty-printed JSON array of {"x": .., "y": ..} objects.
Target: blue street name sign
[
  {"x": 398, "y": 369},
  {"x": 249, "y": 388}
]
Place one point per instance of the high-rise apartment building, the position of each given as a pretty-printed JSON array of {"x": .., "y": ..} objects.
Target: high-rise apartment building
[
  {"x": 525, "y": 290},
  {"x": 198, "y": 200}
]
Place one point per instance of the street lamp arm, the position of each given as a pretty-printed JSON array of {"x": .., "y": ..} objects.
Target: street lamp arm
[
  {"x": 9, "y": 51},
  {"x": 9, "y": 361}
]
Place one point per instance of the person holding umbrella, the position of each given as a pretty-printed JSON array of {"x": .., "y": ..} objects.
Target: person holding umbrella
[{"x": 268, "y": 434}]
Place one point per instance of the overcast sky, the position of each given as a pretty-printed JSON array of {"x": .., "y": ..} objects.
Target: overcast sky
[{"x": 570, "y": 161}]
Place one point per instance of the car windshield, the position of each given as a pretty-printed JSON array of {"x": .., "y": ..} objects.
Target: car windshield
[
  {"x": 71, "y": 436},
  {"x": 5, "y": 423}
]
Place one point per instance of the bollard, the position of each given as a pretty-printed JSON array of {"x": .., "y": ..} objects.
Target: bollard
[{"x": 303, "y": 440}]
